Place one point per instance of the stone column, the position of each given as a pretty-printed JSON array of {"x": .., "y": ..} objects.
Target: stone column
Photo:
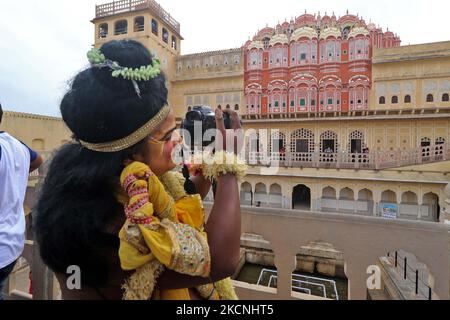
[
  {"x": 312, "y": 204},
  {"x": 357, "y": 279},
  {"x": 420, "y": 200},
  {"x": 376, "y": 202},
  {"x": 285, "y": 264},
  {"x": 445, "y": 214},
  {"x": 253, "y": 196},
  {"x": 399, "y": 204},
  {"x": 287, "y": 199}
]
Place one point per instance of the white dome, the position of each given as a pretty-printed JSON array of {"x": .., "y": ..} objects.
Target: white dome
[
  {"x": 279, "y": 38},
  {"x": 330, "y": 32},
  {"x": 256, "y": 45},
  {"x": 307, "y": 32},
  {"x": 358, "y": 31}
]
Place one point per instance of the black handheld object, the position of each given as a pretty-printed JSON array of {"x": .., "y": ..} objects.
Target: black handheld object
[{"x": 204, "y": 116}]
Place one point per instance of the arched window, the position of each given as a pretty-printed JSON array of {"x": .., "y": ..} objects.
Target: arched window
[
  {"x": 394, "y": 100},
  {"x": 445, "y": 97},
  {"x": 408, "y": 99},
  {"x": 174, "y": 43},
  {"x": 154, "y": 27},
  {"x": 440, "y": 141},
  {"x": 382, "y": 100},
  {"x": 430, "y": 98},
  {"x": 121, "y": 27},
  {"x": 165, "y": 35},
  {"x": 328, "y": 142},
  {"x": 139, "y": 24},
  {"x": 266, "y": 43},
  {"x": 236, "y": 107},
  {"x": 302, "y": 145},
  {"x": 103, "y": 30}
]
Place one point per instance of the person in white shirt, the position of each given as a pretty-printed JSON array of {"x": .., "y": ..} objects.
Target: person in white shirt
[{"x": 16, "y": 162}]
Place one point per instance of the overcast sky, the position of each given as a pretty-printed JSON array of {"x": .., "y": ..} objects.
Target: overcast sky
[{"x": 43, "y": 43}]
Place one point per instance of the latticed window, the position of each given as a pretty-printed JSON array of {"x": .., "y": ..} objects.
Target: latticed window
[
  {"x": 266, "y": 42},
  {"x": 439, "y": 146},
  {"x": 356, "y": 142},
  {"x": 382, "y": 100},
  {"x": 430, "y": 98},
  {"x": 328, "y": 147},
  {"x": 302, "y": 141},
  {"x": 154, "y": 27},
  {"x": 253, "y": 142},
  {"x": 329, "y": 142},
  {"x": 425, "y": 142},
  {"x": 103, "y": 30},
  {"x": 278, "y": 142}
]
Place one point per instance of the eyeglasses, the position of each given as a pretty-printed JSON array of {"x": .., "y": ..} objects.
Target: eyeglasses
[{"x": 172, "y": 136}]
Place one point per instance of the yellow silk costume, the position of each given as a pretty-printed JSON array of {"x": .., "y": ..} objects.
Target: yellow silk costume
[{"x": 163, "y": 231}]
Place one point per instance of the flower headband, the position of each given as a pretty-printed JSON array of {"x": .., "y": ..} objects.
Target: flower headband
[{"x": 144, "y": 73}]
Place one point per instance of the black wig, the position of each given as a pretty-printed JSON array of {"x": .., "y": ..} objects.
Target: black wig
[{"x": 77, "y": 201}]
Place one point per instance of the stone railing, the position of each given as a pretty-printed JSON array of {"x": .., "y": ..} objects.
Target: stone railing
[
  {"x": 123, "y": 6},
  {"x": 344, "y": 160},
  {"x": 362, "y": 241}
]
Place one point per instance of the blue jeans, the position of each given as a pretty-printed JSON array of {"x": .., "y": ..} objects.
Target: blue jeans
[{"x": 4, "y": 274}]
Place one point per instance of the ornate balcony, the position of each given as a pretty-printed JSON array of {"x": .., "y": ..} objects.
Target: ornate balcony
[
  {"x": 123, "y": 6},
  {"x": 344, "y": 160}
]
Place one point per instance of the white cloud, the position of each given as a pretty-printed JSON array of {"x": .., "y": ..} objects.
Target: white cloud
[{"x": 44, "y": 42}]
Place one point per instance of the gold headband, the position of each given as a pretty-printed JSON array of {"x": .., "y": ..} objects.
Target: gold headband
[{"x": 132, "y": 139}]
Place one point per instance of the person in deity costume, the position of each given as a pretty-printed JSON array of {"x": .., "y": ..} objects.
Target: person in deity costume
[{"x": 112, "y": 206}]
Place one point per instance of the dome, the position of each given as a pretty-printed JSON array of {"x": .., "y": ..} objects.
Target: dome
[
  {"x": 305, "y": 19},
  {"x": 285, "y": 25},
  {"x": 279, "y": 38},
  {"x": 330, "y": 32},
  {"x": 266, "y": 32},
  {"x": 358, "y": 31},
  {"x": 371, "y": 26},
  {"x": 326, "y": 18},
  {"x": 256, "y": 45},
  {"x": 306, "y": 32},
  {"x": 348, "y": 18}
]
